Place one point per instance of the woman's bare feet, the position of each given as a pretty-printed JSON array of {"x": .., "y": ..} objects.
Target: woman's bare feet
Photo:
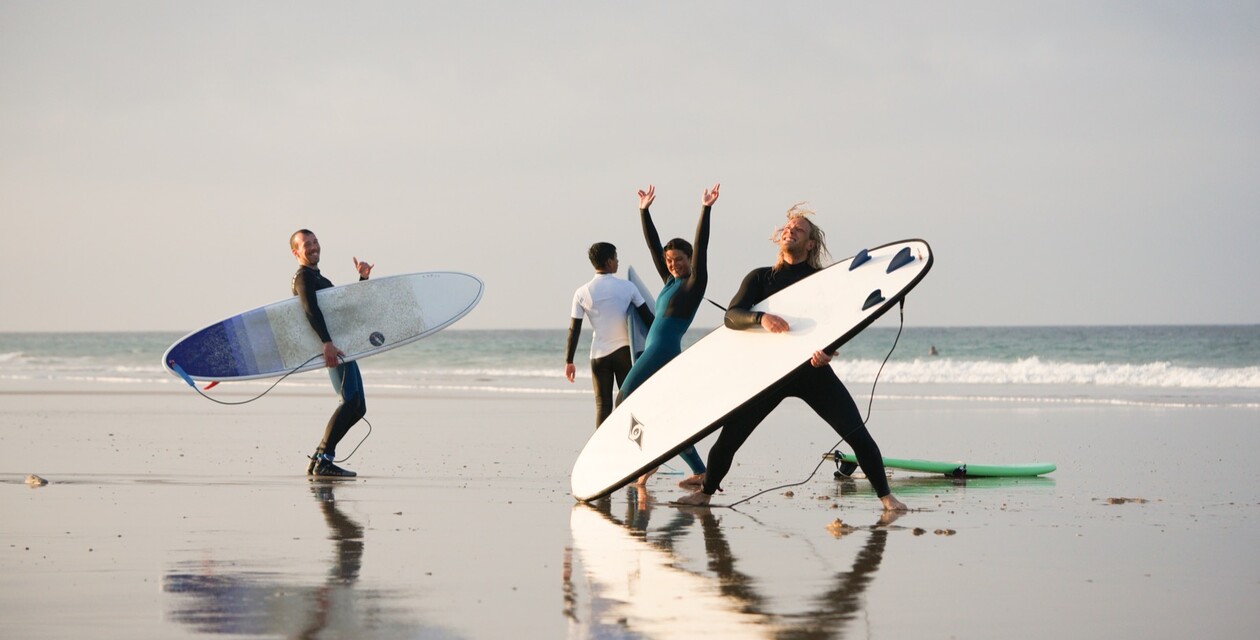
[
  {"x": 692, "y": 482},
  {"x": 893, "y": 504},
  {"x": 694, "y": 499},
  {"x": 644, "y": 478}
]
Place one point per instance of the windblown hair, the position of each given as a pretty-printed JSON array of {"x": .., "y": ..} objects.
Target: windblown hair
[
  {"x": 600, "y": 253},
  {"x": 817, "y": 254}
]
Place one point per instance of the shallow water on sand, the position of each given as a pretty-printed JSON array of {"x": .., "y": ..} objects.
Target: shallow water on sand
[{"x": 166, "y": 518}]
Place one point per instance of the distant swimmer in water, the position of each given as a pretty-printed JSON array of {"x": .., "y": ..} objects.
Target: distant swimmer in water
[
  {"x": 932, "y": 351},
  {"x": 685, "y": 272}
]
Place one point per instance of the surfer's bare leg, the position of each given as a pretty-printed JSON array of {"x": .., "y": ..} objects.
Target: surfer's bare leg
[{"x": 644, "y": 478}]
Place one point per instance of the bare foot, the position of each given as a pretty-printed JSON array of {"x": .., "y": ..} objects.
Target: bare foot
[
  {"x": 644, "y": 478},
  {"x": 692, "y": 482},
  {"x": 888, "y": 517},
  {"x": 893, "y": 504},
  {"x": 694, "y": 499}
]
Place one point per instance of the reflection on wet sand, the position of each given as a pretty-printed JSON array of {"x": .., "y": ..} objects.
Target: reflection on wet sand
[
  {"x": 220, "y": 598},
  {"x": 638, "y": 585},
  {"x": 920, "y": 485}
]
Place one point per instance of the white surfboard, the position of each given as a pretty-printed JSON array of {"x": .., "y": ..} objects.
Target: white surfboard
[
  {"x": 364, "y": 318},
  {"x": 638, "y": 330},
  {"x": 691, "y": 396}
]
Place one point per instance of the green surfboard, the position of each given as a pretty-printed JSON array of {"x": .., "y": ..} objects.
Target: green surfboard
[{"x": 954, "y": 469}]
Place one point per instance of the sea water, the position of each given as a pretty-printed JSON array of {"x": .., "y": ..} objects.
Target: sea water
[{"x": 1160, "y": 365}]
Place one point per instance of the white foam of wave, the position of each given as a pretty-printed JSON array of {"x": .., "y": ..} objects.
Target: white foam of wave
[
  {"x": 490, "y": 388},
  {"x": 1035, "y": 372},
  {"x": 1170, "y": 403},
  {"x": 491, "y": 372}
]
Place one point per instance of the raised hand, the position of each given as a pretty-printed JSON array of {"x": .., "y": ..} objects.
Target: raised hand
[
  {"x": 646, "y": 197},
  {"x": 363, "y": 268},
  {"x": 710, "y": 195}
]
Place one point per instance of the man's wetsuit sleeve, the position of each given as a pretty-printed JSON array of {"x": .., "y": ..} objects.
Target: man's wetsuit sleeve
[
  {"x": 304, "y": 286},
  {"x": 575, "y": 330},
  {"x": 739, "y": 313}
]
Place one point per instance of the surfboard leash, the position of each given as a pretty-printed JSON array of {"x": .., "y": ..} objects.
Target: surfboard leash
[
  {"x": 187, "y": 378},
  {"x": 870, "y": 405}
]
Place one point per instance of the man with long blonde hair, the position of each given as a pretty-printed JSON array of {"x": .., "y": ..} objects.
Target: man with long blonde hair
[
  {"x": 802, "y": 248},
  {"x": 816, "y": 252}
]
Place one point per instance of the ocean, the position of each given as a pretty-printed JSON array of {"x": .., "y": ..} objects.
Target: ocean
[{"x": 1142, "y": 365}]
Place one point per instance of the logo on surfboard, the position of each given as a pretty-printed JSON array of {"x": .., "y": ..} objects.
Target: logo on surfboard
[{"x": 636, "y": 432}]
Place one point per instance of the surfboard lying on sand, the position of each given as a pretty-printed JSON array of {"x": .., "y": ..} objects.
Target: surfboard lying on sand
[
  {"x": 846, "y": 463},
  {"x": 638, "y": 330},
  {"x": 692, "y": 395},
  {"x": 364, "y": 318}
]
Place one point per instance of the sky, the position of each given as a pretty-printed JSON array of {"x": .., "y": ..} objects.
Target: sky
[{"x": 1070, "y": 163}]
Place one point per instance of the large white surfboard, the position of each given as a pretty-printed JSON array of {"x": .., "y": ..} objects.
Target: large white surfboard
[
  {"x": 691, "y": 396},
  {"x": 364, "y": 318}
]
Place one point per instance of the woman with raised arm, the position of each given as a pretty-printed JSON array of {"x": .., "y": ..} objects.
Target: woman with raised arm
[{"x": 685, "y": 272}]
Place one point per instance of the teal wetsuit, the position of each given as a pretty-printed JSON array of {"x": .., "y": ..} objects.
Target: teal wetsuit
[{"x": 675, "y": 309}]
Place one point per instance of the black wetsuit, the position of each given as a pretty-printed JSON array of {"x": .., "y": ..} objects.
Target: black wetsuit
[
  {"x": 817, "y": 386},
  {"x": 346, "y": 378}
]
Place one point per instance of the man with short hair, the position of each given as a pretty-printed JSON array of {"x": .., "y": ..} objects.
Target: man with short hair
[
  {"x": 607, "y": 301},
  {"x": 346, "y": 379}
]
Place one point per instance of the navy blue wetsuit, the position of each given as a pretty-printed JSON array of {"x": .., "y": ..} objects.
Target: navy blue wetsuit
[
  {"x": 819, "y": 387},
  {"x": 346, "y": 379},
  {"x": 676, "y": 307}
]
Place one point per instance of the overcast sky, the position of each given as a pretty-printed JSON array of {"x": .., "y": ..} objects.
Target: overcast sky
[{"x": 1069, "y": 163}]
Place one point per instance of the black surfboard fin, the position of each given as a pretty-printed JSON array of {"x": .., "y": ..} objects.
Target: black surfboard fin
[
  {"x": 875, "y": 298},
  {"x": 900, "y": 260},
  {"x": 861, "y": 257}
]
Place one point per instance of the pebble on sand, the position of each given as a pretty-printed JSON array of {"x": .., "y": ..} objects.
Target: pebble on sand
[
  {"x": 838, "y": 528},
  {"x": 35, "y": 481}
]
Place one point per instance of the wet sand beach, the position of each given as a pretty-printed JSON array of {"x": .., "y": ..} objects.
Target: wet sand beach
[{"x": 167, "y": 516}]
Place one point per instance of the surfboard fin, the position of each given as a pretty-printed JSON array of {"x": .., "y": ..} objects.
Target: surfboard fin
[
  {"x": 858, "y": 260},
  {"x": 903, "y": 258},
  {"x": 875, "y": 298}
]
